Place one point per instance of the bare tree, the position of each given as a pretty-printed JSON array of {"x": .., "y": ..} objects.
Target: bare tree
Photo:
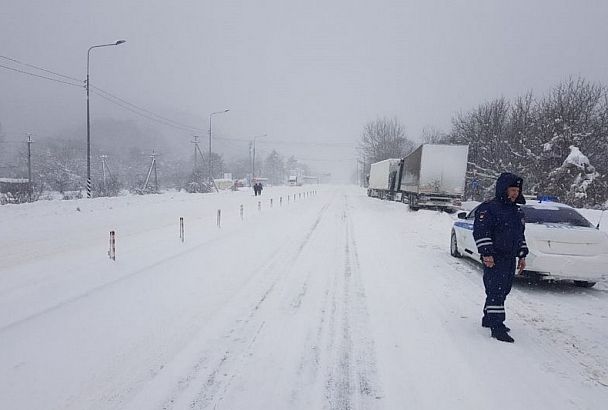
[
  {"x": 484, "y": 130},
  {"x": 383, "y": 138},
  {"x": 432, "y": 135}
]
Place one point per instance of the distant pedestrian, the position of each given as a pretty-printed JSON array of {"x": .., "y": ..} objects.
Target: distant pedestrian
[
  {"x": 499, "y": 234},
  {"x": 260, "y": 188}
]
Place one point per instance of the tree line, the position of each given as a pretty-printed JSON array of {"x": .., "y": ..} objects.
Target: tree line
[
  {"x": 59, "y": 165},
  {"x": 558, "y": 142}
]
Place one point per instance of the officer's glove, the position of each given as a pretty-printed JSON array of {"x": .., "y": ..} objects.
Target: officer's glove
[
  {"x": 521, "y": 265},
  {"x": 488, "y": 261}
]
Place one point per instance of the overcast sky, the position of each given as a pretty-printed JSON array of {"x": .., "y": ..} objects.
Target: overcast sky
[{"x": 300, "y": 71}]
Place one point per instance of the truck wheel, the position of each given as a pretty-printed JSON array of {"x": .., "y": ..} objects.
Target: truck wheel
[
  {"x": 413, "y": 203},
  {"x": 584, "y": 284},
  {"x": 454, "y": 246}
]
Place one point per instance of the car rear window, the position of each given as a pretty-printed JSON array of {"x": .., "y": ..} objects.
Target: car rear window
[{"x": 554, "y": 215}]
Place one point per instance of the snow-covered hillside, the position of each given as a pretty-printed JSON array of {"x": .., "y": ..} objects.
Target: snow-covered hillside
[{"x": 331, "y": 301}]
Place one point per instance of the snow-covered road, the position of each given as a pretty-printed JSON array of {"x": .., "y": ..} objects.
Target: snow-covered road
[{"x": 331, "y": 301}]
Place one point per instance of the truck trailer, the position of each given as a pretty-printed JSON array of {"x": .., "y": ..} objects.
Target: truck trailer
[
  {"x": 433, "y": 176},
  {"x": 383, "y": 179}
]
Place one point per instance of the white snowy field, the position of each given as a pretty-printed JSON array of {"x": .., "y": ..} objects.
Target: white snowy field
[{"x": 334, "y": 301}]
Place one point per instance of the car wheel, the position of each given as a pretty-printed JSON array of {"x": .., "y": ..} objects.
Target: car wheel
[
  {"x": 454, "y": 246},
  {"x": 584, "y": 284}
]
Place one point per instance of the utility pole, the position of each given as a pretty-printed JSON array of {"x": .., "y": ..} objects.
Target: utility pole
[
  {"x": 254, "y": 158},
  {"x": 195, "y": 142},
  {"x": 253, "y": 155},
  {"x": 29, "y": 167},
  {"x": 210, "y": 159},
  {"x": 104, "y": 169},
  {"x": 152, "y": 167},
  {"x": 103, "y": 172},
  {"x": 252, "y": 166},
  {"x": 88, "y": 85},
  {"x": 197, "y": 148},
  {"x": 155, "y": 173}
]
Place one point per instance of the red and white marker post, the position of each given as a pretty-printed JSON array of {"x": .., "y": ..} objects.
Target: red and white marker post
[
  {"x": 112, "y": 250},
  {"x": 181, "y": 229}
]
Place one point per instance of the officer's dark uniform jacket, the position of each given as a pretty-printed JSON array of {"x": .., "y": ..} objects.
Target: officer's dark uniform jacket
[{"x": 499, "y": 232}]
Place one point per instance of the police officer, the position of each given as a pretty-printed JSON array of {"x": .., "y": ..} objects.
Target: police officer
[{"x": 499, "y": 234}]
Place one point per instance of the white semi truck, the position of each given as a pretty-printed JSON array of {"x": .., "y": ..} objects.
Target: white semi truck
[
  {"x": 432, "y": 176},
  {"x": 383, "y": 179}
]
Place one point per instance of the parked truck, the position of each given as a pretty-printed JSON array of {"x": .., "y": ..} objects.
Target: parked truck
[
  {"x": 433, "y": 176},
  {"x": 383, "y": 179}
]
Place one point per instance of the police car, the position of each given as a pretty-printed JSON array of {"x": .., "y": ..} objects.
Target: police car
[{"x": 563, "y": 244}]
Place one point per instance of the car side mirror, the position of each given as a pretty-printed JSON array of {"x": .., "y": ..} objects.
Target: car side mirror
[{"x": 462, "y": 215}]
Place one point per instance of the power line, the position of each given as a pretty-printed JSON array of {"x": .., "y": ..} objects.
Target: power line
[
  {"x": 40, "y": 76},
  {"x": 150, "y": 115},
  {"x": 108, "y": 96},
  {"x": 148, "y": 111},
  {"x": 164, "y": 122},
  {"x": 40, "y": 68}
]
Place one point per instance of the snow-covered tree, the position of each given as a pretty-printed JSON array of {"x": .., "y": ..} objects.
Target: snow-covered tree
[
  {"x": 574, "y": 177},
  {"x": 533, "y": 138}
]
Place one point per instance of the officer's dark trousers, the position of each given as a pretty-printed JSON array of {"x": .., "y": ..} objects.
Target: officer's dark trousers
[{"x": 497, "y": 281}]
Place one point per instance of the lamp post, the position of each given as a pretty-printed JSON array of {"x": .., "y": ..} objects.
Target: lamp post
[
  {"x": 89, "y": 116},
  {"x": 253, "y": 156},
  {"x": 210, "y": 116}
]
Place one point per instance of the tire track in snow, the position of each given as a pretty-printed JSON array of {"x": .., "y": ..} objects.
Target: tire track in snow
[
  {"x": 352, "y": 382},
  {"x": 367, "y": 376},
  {"x": 338, "y": 354},
  {"x": 240, "y": 340}
]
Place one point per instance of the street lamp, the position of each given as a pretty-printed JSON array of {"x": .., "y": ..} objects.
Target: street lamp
[
  {"x": 89, "y": 117},
  {"x": 211, "y": 115},
  {"x": 253, "y": 156}
]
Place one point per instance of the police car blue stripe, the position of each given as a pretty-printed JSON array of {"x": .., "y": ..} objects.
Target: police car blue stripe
[{"x": 464, "y": 225}]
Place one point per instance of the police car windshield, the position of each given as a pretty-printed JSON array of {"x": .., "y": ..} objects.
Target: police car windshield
[{"x": 554, "y": 215}]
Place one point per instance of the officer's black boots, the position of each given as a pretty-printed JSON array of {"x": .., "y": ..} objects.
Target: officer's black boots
[
  {"x": 484, "y": 323},
  {"x": 500, "y": 333}
]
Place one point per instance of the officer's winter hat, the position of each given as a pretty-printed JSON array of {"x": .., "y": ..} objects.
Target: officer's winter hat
[
  {"x": 517, "y": 183},
  {"x": 506, "y": 180}
]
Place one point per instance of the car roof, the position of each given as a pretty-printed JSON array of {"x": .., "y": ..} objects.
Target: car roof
[
  {"x": 536, "y": 204},
  {"x": 545, "y": 204}
]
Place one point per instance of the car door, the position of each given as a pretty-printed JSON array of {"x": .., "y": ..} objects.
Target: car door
[{"x": 468, "y": 244}]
